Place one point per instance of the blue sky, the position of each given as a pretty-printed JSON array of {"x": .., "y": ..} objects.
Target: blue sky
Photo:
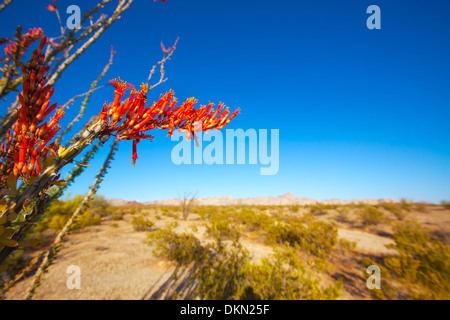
[{"x": 361, "y": 113}]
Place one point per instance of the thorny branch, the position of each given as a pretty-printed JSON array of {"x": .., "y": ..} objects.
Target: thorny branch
[
  {"x": 67, "y": 42},
  {"x": 5, "y": 4},
  {"x": 49, "y": 254}
]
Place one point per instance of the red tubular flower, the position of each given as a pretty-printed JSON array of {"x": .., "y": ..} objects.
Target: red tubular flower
[
  {"x": 129, "y": 120},
  {"x": 27, "y": 39},
  {"x": 27, "y": 143},
  {"x": 52, "y": 8},
  {"x": 134, "y": 156}
]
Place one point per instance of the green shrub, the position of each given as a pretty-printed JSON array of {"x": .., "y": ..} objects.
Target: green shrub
[
  {"x": 205, "y": 212},
  {"x": 395, "y": 209},
  {"x": 57, "y": 214},
  {"x": 60, "y": 211},
  {"x": 420, "y": 270},
  {"x": 170, "y": 211},
  {"x": 86, "y": 219},
  {"x": 387, "y": 290},
  {"x": 225, "y": 272},
  {"x": 405, "y": 204},
  {"x": 140, "y": 223},
  {"x": 221, "y": 274},
  {"x": 117, "y": 216},
  {"x": 321, "y": 208},
  {"x": 371, "y": 215},
  {"x": 183, "y": 248},
  {"x": 284, "y": 276},
  {"x": 57, "y": 221},
  {"x": 223, "y": 228},
  {"x": 253, "y": 221},
  {"x": 347, "y": 244},
  {"x": 98, "y": 206},
  {"x": 313, "y": 236},
  {"x": 445, "y": 204},
  {"x": 421, "y": 259},
  {"x": 343, "y": 215}
]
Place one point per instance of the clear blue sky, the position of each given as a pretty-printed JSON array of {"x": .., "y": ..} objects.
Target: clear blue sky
[{"x": 362, "y": 113}]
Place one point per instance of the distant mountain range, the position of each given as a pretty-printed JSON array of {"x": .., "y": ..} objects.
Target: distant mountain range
[{"x": 285, "y": 199}]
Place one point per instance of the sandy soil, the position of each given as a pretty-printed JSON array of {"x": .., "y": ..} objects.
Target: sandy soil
[{"x": 116, "y": 264}]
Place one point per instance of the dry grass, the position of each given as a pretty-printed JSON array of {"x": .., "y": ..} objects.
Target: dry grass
[{"x": 116, "y": 264}]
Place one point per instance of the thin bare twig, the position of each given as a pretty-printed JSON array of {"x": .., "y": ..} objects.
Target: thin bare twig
[
  {"x": 123, "y": 5},
  {"x": 67, "y": 43},
  {"x": 5, "y": 4},
  {"x": 69, "y": 39},
  {"x": 161, "y": 64},
  {"x": 10, "y": 66},
  {"x": 86, "y": 100}
]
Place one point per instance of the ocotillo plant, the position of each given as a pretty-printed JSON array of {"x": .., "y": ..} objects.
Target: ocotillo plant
[
  {"x": 30, "y": 156},
  {"x": 61, "y": 52}
]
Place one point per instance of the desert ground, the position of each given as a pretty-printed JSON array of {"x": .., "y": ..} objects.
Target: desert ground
[{"x": 117, "y": 261}]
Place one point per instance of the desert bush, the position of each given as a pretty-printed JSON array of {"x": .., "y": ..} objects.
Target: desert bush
[
  {"x": 183, "y": 248},
  {"x": 60, "y": 211},
  {"x": 205, "y": 212},
  {"x": 347, "y": 244},
  {"x": 223, "y": 227},
  {"x": 140, "y": 223},
  {"x": 313, "y": 236},
  {"x": 57, "y": 214},
  {"x": 405, "y": 204},
  {"x": 221, "y": 273},
  {"x": 225, "y": 272},
  {"x": 342, "y": 215},
  {"x": 170, "y": 211},
  {"x": 421, "y": 259},
  {"x": 445, "y": 204},
  {"x": 253, "y": 221},
  {"x": 387, "y": 289},
  {"x": 371, "y": 215},
  {"x": 289, "y": 278},
  {"x": 86, "y": 219},
  {"x": 117, "y": 215},
  {"x": 99, "y": 206},
  {"x": 395, "y": 209},
  {"x": 420, "y": 206},
  {"x": 321, "y": 208},
  {"x": 420, "y": 270}
]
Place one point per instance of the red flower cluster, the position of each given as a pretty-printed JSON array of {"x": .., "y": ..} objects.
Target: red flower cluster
[
  {"x": 52, "y": 8},
  {"x": 129, "y": 119},
  {"x": 27, "y": 141},
  {"x": 27, "y": 39}
]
